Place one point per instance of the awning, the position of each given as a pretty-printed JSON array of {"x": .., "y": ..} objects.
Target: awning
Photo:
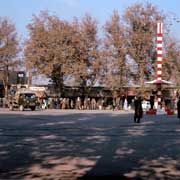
[{"x": 159, "y": 82}]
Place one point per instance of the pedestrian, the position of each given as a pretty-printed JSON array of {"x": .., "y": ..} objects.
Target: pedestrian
[
  {"x": 67, "y": 106},
  {"x": 125, "y": 106},
  {"x": 138, "y": 113},
  {"x": 63, "y": 103},
  {"x": 93, "y": 104},
  {"x": 152, "y": 101},
  {"x": 88, "y": 103},
  {"x": 78, "y": 103},
  {"x": 114, "y": 104},
  {"x": 85, "y": 102},
  {"x": 72, "y": 104},
  {"x": 178, "y": 109}
]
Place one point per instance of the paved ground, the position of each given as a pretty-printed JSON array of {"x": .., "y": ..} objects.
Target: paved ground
[{"x": 71, "y": 145}]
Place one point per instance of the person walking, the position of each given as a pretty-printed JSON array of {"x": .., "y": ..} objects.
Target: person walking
[
  {"x": 178, "y": 109},
  {"x": 152, "y": 101},
  {"x": 138, "y": 113}
]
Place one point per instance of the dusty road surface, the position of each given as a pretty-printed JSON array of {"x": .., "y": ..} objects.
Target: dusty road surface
[{"x": 70, "y": 145}]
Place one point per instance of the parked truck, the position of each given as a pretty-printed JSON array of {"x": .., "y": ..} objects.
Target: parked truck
[{"x": 23, "y": 100}]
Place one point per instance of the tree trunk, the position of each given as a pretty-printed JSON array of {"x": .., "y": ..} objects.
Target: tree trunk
[
  {"x": 6, "y": 91},
  {"x": 29, "y": 79},
  {"x": 60, "y": 86},
  {"x": 142, "y": 88},
  {"x": 121, "y": 89},
  {"x": 6, "y": 82}
]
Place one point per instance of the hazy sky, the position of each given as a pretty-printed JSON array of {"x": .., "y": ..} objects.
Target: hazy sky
[{"x": 21, "y": 11}]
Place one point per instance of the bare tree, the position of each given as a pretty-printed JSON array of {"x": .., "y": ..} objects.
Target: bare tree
[
  {"x": 87, "y": 62},
  {"x": 48, "y": 50},
  {"x": 9, "y": 50},
  {"x": 141, "y": 20},
  {"x": 171, "y": 61},
  {"x": 115, "y": 50}
]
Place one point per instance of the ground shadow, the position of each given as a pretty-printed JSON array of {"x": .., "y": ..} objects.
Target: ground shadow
[{"x": 89, "y": 146}]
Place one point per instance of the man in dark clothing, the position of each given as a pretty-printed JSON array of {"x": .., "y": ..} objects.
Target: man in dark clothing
[
  {"x": 138, "y": 113},
  {"x": 178, "y": 109},
  {"x": 152, "y": 101}
]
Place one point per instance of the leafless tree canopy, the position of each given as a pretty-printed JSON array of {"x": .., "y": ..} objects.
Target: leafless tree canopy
[
  {"x": 9, "y": 49},
  {"x": 116, "y": 49},
  {"x": 87, "y": 62},
  {"x": 141, "y": 21}
]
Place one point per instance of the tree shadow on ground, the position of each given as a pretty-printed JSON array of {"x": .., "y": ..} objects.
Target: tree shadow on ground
[{"x": 89, "y": 146}]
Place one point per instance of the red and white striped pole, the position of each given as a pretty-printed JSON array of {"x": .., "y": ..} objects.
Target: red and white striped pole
[{"x": 159, "y": 58}]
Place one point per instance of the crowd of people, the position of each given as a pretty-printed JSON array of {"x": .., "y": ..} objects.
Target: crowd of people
[{"x": 84, "y": 103}]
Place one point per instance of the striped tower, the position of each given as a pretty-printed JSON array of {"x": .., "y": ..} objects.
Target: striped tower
[{"x": 159, "y": 58}]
